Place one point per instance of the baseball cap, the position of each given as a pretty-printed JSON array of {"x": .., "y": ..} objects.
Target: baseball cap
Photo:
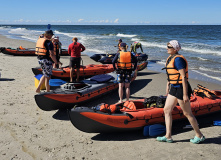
[{"x": 49, "y": 32}]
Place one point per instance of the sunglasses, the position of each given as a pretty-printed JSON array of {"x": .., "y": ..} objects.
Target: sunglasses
[{"x": 169, "y": 47}]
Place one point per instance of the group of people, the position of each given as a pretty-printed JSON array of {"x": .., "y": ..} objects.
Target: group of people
[
  {"x": 178, "y": 89},
  {"x": 48, "y": 49}
]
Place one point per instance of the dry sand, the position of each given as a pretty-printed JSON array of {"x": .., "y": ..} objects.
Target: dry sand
[{"x": 27, "y": 132}]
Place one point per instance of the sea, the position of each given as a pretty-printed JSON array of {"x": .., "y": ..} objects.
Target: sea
[{"x": 201, "y": 44}]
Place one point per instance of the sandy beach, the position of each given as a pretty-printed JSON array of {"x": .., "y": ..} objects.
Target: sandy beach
[{"x": 27, "y": 132}]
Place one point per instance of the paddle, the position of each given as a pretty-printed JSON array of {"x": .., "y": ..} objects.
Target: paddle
[{"x": 154, "y": 130}]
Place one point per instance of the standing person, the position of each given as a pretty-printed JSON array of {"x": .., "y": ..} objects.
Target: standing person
[
  {"x": 134, "y": 46},
  {"x": 178, "y": 90},
  {"x": 45, "y": 52},
  {"x": 124, "y": 62},
  {"x": 57, "y": 50},
  {"x": 118, "y": 45},
  {"x": 75, "y": 50}
]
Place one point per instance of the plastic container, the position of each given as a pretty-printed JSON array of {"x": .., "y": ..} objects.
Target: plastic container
[{"x": 37, "y": 79}]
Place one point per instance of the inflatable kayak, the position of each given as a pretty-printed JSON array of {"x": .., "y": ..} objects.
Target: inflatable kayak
[
  {"x": 71, "y": 94},
  {"x": 97, "y": 57},
  {"x": 25, "y": 52},
  {"x": 108, "y": 59},
  {"x": 85, "y": 71},
  {"x": 134, "y": 115},
  {"x": 142, "y": 65}
]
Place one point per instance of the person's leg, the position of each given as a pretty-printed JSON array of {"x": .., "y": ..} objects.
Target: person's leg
[
  {"x": 71, "y": 74},
  {"x": 78, "y": 62},
  {"x": 78, "y": 74},
  {"x": 47, "y": 84},
  {"x": 42, "y": 80},
  {"x": 127, "y": 86},
  {"x": 170, "y": 103},
  {"x": 121, "y": 86},
  {"x": 188, "y": 113}
]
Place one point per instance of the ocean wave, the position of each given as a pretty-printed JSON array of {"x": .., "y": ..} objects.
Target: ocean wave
[
  {"x": 125, "y": 35},
  {"x": 66, "y": 34},
  {"x": 206, "y": 75},
  {"x": 149, "y": 44},
  {"x": 95, "y": 50},
  {"x": 161, "y": 62},
  {"x": 209, "y": 70},
  {"x": 203, "y": 51},
  {"x": 202, "y": 59},
  {"x": 24, "y": 31}
]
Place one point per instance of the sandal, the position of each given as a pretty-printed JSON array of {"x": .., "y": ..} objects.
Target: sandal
[
  {"x": 197, "y": 140},
  {"x": 164, "y": 139}
]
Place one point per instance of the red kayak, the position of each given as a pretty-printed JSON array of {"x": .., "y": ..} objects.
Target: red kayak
[
  {"x": 25, "y": 52},
  {"x": 135, "y": 114},
  {"x": 85, "y": 71}
]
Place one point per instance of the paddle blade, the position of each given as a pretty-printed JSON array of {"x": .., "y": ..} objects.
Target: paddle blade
[{"x": 156, "y": 129}]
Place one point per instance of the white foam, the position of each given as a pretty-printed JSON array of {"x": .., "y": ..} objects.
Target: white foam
[
  {"x": 95, "y": 50},
  {"x": 125, "y": 35},
  {"x": 150, "y": 44},
  {"x": 206, "y": 75},
  {"x": 203, "y": 51},
  {"x": 209, "y": 70},
  {"x": 161, "y": 62},
  {"x": 202, "y": 59}
]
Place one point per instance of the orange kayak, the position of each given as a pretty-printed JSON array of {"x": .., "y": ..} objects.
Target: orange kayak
[
  {"x": 85, "y": 71},
  {"x": 92, "y": 120},
  {"x": 25, "y": 52}
]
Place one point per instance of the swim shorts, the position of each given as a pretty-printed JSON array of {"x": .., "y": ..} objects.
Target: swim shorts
[
  {"x": 123, "y": 78},
  {"x": 74, "y": 61},
  {"x": 46, "y": 66},
  {"x": 178, "y": 91}
]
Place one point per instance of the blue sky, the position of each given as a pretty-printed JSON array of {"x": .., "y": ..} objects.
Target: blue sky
[{"x": 115, "y": 12}]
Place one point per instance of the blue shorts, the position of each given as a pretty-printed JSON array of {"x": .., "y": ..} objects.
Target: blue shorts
[{"x": 46, "y": 66}]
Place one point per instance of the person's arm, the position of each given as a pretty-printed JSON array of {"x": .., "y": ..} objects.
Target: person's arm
[
  {"x": 185, "y": 85},
  {"x": 134, "y": 60},
  {"x": 167, "y": 88},
  {"x": 141, "y": 48},
  {"x": 115, "y": 60},
  {"x": 180, "y": 65},
  {"x": 53, "y": 57},
  {"x": 69, "y": 50},
  {"x": 82, "y": 48},
  {"x": 131, "y": 48}
]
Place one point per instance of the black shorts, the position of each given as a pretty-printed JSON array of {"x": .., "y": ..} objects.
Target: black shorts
[
  {"x": 75, "y": 62},
  {"x": 178, "y": 91}
]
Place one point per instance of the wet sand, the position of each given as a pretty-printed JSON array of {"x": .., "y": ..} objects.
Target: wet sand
[{"x": 27, "y": 132}]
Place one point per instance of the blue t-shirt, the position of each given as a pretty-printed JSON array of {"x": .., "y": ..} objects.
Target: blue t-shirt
[{"x": 179, "y": 63}]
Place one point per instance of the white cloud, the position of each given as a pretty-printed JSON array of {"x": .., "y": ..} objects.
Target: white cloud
[
  {"x": 80, "y": 20},
  {"x": 20, "y": 20},
  {"x": 116, "y": 20}
]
